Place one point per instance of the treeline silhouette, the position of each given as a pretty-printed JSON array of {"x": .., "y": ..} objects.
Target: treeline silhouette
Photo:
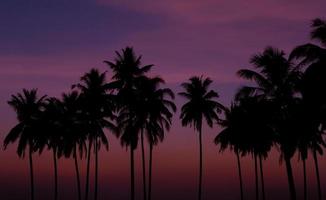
[{"x": 285, "y": 106}]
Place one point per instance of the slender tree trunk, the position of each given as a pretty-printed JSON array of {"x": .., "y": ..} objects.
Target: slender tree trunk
[
  {"x": 96, "y": 170},
  {"x": 256, "y": 177},
  {"x": 200, "y": 165},
  {"x": 290, "y": 178},
  {"x": 304, "y": 179},
  {"x": 55, "y": 173},
  {"x": 143, "y": 164},
  {"x": 132, "y": 174},
  {"x": 150, "y": 171},
  {"x": 87, "y": 170},
  {"x": 317, "y": 173},
  {"x": 262, "y": 177},
  {"x": 77, "y": 174},
  {"x": 31, "y": 172},
  {"x": 240, "y": 175}
]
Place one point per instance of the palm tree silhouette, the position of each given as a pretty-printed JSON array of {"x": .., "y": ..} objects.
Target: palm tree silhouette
[
  {"x": 97, "y": 112},
  {"x": 51, "y": 133},
  {"x": 248, "y": 130},
  {"x": 313, "y": 56},
  {"x": 28, "y": 107},
  {"x": 126, "y": 70},
  {"x": 201, "y": 105},
  {"x": 155, "y": 111},
  {"x": 304, "y": 140},
  {"x": 74, "y": 135},
  {"x": 277, "y": 81},
  {"x": 310, "y": 136},
  {"x": 230, "y": 137},
  {"x": 259, "y": 132}
]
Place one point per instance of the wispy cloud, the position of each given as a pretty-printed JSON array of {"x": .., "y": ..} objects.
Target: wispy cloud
[{"x": 224, "y": 11}]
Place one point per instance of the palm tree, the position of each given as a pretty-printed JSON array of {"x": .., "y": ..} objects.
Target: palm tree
[
  {"x": 277, "y": 81},
  {"x": 74, "y": 136},
  {"x": 230, "y": 137},
  {"x": 310, "y": 137},
  {"x": 126, "y": 70},
  {"x": 259, "y": 132},
  {"x": 97, "y": 112},
  {"x": 155, "y": 111},
  {"x": 201, "y": 105},
  {"x": 51, "y": 134},
  {"x": 313, "y": 57},
  {"x": 28, "y": 106},
  {"x": 247, "y": 130},
  {"x": 305, "y": 134}
]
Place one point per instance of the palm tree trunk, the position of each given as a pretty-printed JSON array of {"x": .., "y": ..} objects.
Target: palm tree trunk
[
  {"x": 132, "y": 174},
  {"x": 240, "y": 175},
  {"x": 31, "y": 172},
  {"x": 262, "y": 177},
  {"x": 96, "y": 169},
  {"x": 200, "y": 164},
  {"x": 77, "y": 174},
  {"x": 150, "y": 171},
  {"x": 143, "y": 163},
  {"x": 290, "y": 178},
  {"x": 55, "y": 173},
  {"x": 256, "y": 176},
  {"x": 304, "y": 179},
  {"x": 317, "y": 173},
  {"x": 87, "y": 170}
]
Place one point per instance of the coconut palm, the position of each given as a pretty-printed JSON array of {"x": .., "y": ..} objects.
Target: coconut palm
[
  {"x": 276, "y": 80},
  {"x": 310, "y": 137},
  {"x": 260, "y": 133},
  {"x": 28, "y": 107},
  {"x": 313, "y": 57},
  {"x": 201, "y": 104},
  {"x": 74, "y": 136},
  {"x": 51, "y": 133},
  {"x": 230, "y": 137},
  {"x": 155, "y": 111},
  {"x": 247, "y": 130},
  {"x": 97, "y": 112},
  {"x": 127, "y": 68},
  {"x": 304, "y": 132}
]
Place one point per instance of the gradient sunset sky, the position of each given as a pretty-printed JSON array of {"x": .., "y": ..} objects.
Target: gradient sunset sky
[{"x": 49, "y": 44}]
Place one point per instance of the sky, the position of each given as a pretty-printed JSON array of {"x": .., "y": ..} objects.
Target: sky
[{"x": 49, "y": 44}]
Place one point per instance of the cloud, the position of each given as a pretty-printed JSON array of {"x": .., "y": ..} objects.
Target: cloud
[{"x": 224, "y": 11}]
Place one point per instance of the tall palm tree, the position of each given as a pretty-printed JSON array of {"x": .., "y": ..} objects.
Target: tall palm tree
[
  {"x": 310, "y": 137},
  {"x": 127, "y": 68},
  {"x": 51, "y": 133},
  {"x": 201, "y": 104},
  {"x": 276, "y": 80},
  {"x": 230, "y": 137},
  {"x": 28, "y": 106},
  {"x": 74, "y": 136},
  {"x": 259, "y": 132},
  {"x": 313, "y": 57},
  {"x": 247, "y": 130},
  {"x": 97, "y": 112},
  {"x": 305, "y": 134},
  {"x": 155, "y": 111}
]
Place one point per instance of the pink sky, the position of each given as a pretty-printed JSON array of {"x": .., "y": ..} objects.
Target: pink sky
[{"x": 49, "y": 44}]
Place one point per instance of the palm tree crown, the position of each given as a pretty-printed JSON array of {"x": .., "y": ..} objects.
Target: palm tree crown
[
  {"x": 276, "y": 78},
  {"x": 28, "y": 107},
  {"x": 201, "y": 103}
]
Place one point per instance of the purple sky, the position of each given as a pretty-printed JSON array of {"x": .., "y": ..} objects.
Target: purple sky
[{"x": 49, "y": 44}]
